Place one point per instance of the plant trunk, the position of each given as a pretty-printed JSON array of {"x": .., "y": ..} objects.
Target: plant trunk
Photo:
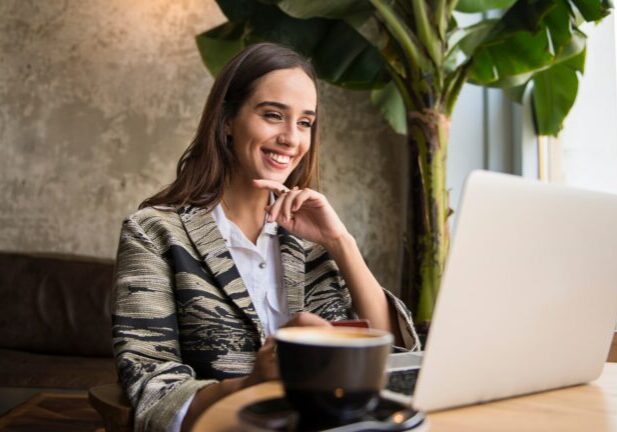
[{"x": 427, "y": 234}]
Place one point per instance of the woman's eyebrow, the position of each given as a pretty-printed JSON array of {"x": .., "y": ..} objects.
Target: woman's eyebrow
[{"x": 282, "y": 106}]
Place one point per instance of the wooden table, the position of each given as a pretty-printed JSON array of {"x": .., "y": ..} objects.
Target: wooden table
[
  {"x": 590, "y": 407},
  {"x": 53, "y": 412}
]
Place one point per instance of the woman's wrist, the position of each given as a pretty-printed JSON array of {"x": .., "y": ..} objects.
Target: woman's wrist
[
  {"x": 337, "y": 247},
  {"x": 246, "y": 381},
  {"x": 207, "y": 396}
]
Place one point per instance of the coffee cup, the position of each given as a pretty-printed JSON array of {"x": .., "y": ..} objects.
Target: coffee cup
[{"x": 332, "y": 374}]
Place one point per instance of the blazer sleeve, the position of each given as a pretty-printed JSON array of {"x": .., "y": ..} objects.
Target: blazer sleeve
[
  {"x": 411, "y": 341},
  {"x": 145, "y": 332},
  {"x": 328, "y": 295}
]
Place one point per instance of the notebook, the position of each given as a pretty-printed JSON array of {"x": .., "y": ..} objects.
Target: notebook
[{"x": 528, "y": 300}]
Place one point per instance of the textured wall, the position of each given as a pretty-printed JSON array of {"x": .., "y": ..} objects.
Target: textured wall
[{"x": 98, "y": 100}]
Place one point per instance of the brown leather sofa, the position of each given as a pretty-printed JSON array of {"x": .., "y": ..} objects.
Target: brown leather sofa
[{"x": 55, "y": 323}]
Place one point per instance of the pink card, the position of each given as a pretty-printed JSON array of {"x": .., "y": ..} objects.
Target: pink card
[{"x": 363, "y": 323}]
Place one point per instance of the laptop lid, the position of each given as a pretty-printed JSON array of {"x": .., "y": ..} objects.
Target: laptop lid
[{"x": 528, "y": 300}]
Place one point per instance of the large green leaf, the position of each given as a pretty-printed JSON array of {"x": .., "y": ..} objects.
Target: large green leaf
[
  {"x": 593, "y": 10},
  {"x": 517, "y": 54},
  {"x": 473, "y": 6},
  {"x": 577, "y": 62},
  {"x": 269, "y": 23},
  {"x": 554, "y": 92},
  {"x": 551, "y": 16},
  {"x": 356, "y": 13},
  {"x": 390, "y": 103},
  {"x": 237, "y": 10},
  {"x": 525, "y": 15},
  {"x": 518, "y": 46},
  {"x": 345, "y": 58},
  {"x": 341, "y": 9},
  {"x": 464, "y": 41},
  {"x": 219, "y": 45},
  {"x": 475, "y": 35},
  {"x": 516, "y": 93},
  {"x": 340, "y": 54},
  {"x": 558, "y": 24},
  {"x": 513, "y": 61}
]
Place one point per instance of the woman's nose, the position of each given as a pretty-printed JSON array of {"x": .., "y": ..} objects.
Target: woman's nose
[{"x": 288, "y": 137}]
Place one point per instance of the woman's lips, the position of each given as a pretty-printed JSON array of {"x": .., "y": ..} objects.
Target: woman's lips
[{"x": 276, "y": 160}]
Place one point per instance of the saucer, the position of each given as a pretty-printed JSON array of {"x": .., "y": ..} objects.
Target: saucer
[{"x": 277, "y": 415}]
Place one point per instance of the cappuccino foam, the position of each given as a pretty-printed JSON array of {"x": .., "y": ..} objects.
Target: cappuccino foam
[{"x": 334, "y": 336}]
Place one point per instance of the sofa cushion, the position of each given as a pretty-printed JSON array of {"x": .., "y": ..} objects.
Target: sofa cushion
[
  {"x": 22, "y": 369},
  {"x": 55, "y": 304}
]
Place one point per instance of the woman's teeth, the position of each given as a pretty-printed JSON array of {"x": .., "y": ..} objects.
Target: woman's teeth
[{"x": 282, "y": 159}]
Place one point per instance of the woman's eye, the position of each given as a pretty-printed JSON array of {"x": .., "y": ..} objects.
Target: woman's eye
[
  {"x": 305, "y": 123},
  {"x": 273, "y": 115}
]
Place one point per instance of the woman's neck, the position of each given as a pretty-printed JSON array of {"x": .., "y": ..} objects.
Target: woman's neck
[{"x": 244, "y": 205}]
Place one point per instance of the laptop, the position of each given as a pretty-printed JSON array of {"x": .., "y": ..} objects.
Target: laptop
[{"x": 528, "y": 299}]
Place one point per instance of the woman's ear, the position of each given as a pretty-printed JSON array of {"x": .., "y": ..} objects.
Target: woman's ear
[{"x": 227, "y": 127}]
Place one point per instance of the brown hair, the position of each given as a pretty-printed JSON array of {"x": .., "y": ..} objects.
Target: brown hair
[{"x": 206, "y": 165}]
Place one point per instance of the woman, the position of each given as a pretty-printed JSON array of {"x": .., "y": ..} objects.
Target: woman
[{"x": 237, "y": 246}]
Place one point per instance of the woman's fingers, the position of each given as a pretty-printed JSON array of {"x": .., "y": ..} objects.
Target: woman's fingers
[
  {"x": 307, "y": 319},
  {"x": 279, "y": 189},
  {"x": 282, "y": 205},
  {"x": 276, "y": 208},
  {"x": 288, "y": 200},
  {"x": 265, "y": 367},
  {"x": 300, "y": 198}
]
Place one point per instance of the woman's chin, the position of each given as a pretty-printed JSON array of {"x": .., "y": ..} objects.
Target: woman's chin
[{"x": 277, "y": 177}]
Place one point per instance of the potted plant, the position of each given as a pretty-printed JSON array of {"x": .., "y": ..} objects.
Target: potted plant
[{"x": 414, "y": 58}]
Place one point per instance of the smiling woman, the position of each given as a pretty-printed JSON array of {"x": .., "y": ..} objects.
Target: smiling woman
[
  {"x": 272, "y": 131},
  {"x": 236, "y": 247}
]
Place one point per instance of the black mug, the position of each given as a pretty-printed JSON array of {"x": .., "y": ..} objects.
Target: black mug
[{"x": 332, "y": 374}]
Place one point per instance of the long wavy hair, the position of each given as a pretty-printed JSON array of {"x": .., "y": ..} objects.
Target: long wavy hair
[{"x": 206, "y": 165}]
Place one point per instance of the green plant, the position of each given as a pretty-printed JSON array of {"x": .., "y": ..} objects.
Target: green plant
[{"x": 414, "y": 57}]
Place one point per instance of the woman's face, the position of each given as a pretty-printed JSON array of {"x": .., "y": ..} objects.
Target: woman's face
[{"x": 272, "y": 130}]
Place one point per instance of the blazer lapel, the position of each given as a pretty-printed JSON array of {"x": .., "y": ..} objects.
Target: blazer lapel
[
  {"x": 207, "y": 239},
  {"x": 293, "y": 257}
]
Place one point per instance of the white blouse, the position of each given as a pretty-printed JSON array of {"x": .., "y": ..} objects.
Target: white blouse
[
  {"x": 262, "y": 273},
  {"x": 260, "y": 267}
]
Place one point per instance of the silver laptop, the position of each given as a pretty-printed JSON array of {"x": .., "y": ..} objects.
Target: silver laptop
[{"x": 528, "y": 300}]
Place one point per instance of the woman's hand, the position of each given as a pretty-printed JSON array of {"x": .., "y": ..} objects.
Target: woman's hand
[
  {"x": 305, "y": 213},
  {"x": 266, "y": 364},
  {"x": 307, "y": 319}
]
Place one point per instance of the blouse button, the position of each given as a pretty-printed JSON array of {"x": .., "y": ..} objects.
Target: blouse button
[{"x": 262, "y": 265}]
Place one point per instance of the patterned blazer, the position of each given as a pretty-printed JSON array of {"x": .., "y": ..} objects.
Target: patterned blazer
[{"x": 183, "y": 318}]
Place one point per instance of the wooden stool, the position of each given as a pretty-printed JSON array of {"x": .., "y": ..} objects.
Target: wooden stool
[{"x": 113, "y": 406}]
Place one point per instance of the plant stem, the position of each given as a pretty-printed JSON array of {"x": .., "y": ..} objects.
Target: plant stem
[
  {"x": 401, "y": 34},
  {"x": 441, "y": 19},
  {"x": 427, "y": 234},
  {"x": 426, "y": 33}
]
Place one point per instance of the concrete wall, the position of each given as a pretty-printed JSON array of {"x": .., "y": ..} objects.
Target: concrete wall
[{"x": 98, "y": 100}]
